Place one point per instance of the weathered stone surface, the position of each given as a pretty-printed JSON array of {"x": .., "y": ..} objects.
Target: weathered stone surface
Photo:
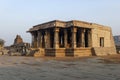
[
  {"x": 1, "y": 53},
  {"x": 39, "y": 53},
  {"x": 102, "y": 51},
  {"x": 14, "y": 54}
]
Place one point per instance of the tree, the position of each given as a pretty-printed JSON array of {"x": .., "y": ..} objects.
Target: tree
[{"x": 2, "y": 42}]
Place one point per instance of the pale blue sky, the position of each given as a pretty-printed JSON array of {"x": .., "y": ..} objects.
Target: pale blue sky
[{"x": 17, "y": 16}]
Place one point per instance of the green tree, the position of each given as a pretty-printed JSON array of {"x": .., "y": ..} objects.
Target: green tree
[{"x": 2, "y": 42}]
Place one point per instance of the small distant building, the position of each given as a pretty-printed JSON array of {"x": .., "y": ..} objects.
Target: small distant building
[
  {"x": 72, "y": 38},
  {"x": 19, "y": 46}
]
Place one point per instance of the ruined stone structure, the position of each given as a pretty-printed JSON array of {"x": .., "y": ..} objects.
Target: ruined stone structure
[
  {"x": 18, "y": 40},
  {"x": 72, "y": 38},
  {"x": 19, "y": 47}
]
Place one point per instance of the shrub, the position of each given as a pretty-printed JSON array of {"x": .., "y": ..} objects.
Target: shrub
[{"x": 2, "y": 42}]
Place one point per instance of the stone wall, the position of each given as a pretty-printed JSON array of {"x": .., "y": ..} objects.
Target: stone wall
[
  {"x": 109, "y": 45},
  {"x": 101, "y": 51},
  {"x": 99, "y": 31}
]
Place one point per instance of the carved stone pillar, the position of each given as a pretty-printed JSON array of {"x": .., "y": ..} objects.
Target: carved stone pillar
[
  {"x": 34, "y": 40},
  {"x": 79, "y": 38},
  {"x": 56, "y": 38},
  {"x": 74, "y": 30},
  {"x": 39, "y": 39},
  {"x": 82, "y": 37},
  {"x": 43, "y": 40},
  {"x": 47, "y": 39},
  {"x": 89, "y": 39},
  {"x": 65, "y": 38},
  {"x": 49, "y": 43},
  {"x": 32, "y": 45}
]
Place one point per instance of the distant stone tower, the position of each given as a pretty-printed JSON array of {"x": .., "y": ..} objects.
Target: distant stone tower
[{"x": 18, "y": 40}]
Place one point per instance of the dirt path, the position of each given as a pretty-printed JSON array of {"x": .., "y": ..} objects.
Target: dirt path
[{"x": 29, "y": 68}]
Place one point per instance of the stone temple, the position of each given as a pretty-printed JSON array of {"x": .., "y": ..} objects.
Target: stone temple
[{"x": 72, "y": 38}]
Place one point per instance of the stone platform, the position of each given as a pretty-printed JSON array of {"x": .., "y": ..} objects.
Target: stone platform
[
  {"x": 62, "y": 52},
  {"x": 77, "y": 52}
]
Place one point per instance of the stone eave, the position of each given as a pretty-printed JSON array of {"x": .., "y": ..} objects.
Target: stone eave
[
  {"x": 32, "y": 29},
  {"x": 64, "y": 24},
  {"x": 50, "y": 22},
  {"x": 77, "y": 23}
]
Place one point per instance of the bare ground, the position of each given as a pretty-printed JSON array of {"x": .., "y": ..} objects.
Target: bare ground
[{"x": 49, "y": 68}]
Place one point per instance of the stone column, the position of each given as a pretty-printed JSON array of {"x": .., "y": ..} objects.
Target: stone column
[
  {"x": 39, "y": 39},
  {"x": 56, "y": 38},
  {"x": 89, "y": 39},
  {"x": 43, "y": 40},
  {"x": 82, "y": 37},
  {"x": 47, "y": 39},
  {"x": 74, "y": 30},
  {"x": 79, "y": 37},
  {"x": 34, "y": 40},
  {"x": 65, "y": 38},
  {"x": 49, "y": 43},
  {"x": 32, "y": 44}
]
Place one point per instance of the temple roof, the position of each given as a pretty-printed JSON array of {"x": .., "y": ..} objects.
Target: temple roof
[{"x": 63, "y": 24}]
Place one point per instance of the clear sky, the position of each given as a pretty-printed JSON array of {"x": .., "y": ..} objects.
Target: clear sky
[{"x": 17, "y": 16}]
